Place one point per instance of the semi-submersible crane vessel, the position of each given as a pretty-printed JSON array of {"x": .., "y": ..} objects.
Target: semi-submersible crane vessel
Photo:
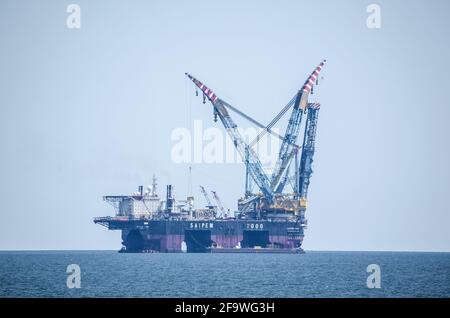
[{"x": 269, "y": 220}]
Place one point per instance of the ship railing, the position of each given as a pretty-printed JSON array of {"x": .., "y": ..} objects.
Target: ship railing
[{"x": 102, "y": 218}]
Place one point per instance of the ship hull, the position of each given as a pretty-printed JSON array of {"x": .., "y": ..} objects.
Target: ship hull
[{"x": 215, "y": 236}]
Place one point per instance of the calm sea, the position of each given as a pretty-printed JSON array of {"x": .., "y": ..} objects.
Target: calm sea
[{"x": 314, "y": 274}]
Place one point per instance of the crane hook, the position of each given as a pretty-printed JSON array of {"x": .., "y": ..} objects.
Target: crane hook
[
  {"x": 196, "y": 92},
  {"x": 204, "y": 99}
]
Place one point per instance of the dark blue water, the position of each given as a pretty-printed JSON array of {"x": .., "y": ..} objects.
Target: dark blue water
[{"x": 314, "y": 274}]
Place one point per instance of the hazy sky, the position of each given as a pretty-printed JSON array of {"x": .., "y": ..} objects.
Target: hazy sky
[{"x": 89, "y": 112}]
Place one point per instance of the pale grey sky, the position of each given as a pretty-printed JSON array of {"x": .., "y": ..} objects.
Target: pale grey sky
[{"x": 89, "y": 112}]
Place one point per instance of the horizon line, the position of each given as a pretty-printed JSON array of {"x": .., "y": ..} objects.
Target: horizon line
[{"x": 306, "y": 250}]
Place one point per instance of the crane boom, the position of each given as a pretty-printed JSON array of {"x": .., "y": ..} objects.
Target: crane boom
[
  {"x": 219, "y": 203},
  {"x": 307, "y": 154},
  {"x": 290, "y": 137},
  {"x": 306, "y": 160},
  {"x": 286, "y": 150},
  {"x": 205, "y": 194},
  {"x": 271, "y": 186},
  {"x": 247, "y": 154}
]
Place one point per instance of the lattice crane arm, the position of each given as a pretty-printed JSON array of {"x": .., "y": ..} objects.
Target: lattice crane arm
[
  {"x": 305, "y": 170},
  {"x": 205, "y": 194},
  {"x": 293, "y": 129},
  {"x": 247, "y": 154},
  {"x": 219, "y": 202}
]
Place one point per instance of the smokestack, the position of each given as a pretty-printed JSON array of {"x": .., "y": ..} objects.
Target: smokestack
[
  {"x": 141, "y": 190},
  {"x": 169, "y": 198}
]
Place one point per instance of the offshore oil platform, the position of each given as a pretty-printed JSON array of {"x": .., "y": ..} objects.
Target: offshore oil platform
[{"x": 269, "y": 220}]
